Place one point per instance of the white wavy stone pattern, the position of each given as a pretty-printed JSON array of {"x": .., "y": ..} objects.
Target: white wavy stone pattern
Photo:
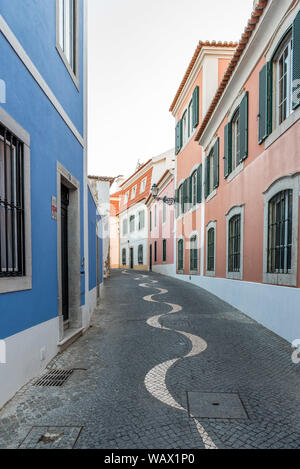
[{"x": 155, "y": 380}]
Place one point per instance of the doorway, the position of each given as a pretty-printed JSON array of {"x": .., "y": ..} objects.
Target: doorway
[
  {"x": 131, "y": 258},
  {"x": 65, "y": 253},
  {"x": 150, "y": 258}
]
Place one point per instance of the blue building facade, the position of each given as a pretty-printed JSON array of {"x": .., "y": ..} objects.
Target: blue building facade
[{"x": 45, "y": 294}]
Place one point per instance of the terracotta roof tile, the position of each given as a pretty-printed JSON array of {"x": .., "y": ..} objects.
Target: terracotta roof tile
[
  {"x": 255, "y": 17},
  {"x": 200, "y": 46}
]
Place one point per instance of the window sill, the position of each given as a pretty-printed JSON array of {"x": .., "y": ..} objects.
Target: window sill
[
  {"x": 211, "y": 195},
  {"x": 180, "y": 272},
  {"x": 195, "y": 207},
  {"x": 234, "y": 275},
  {"x": 236, "y": 172},
  {"x": 15, "y": 284},
  {"x": 194, "y": 272},
  {"x": 282, "y": 128},
  {"x": 210, "y": 273},
  {"x": 287, "y": 280}
]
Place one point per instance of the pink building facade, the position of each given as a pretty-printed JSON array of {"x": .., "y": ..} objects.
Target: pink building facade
[
  {"x": 243, "y": 240},
  {"x": 161, "y": 226}
]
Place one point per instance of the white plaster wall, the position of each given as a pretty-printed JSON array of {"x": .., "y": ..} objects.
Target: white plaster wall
[
  {"x": 165, "y": 269},
  {"x": 90, "y": 306},
  {"x": 275, "y": 307},
  {"x": 27, "y": 355}
]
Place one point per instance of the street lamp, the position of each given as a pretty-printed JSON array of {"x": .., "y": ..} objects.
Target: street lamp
[{"x": 166, "y": 200}]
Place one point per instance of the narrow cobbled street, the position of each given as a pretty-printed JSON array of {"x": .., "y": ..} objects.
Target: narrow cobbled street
[{"x": 156, "y": 345}]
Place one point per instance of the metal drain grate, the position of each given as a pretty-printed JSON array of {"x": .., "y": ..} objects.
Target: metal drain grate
[{"x": 54, "y": 378}]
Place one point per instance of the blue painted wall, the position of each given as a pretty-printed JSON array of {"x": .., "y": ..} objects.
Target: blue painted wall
[
  {"x": 94, "y": 220},
  {"x": 51, "y": 141}
]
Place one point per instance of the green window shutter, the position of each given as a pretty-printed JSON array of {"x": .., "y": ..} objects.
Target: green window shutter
[
  {"x": 207, "y": 177},
  {"x": 190, "y": 189},
  {"x": 216, "y": 163},
  {"x": 176, "y": 202},
  {"x": 199, "y": 184},
  {"x": 265, "y": 102},
  {"x": 195, "y": 107},
  {"x": 185, "y": 196},
  {"x": 244, "y": 127},
  {"x": 178, "y": 137},
  {"x": 227, "y": 149},
  {"x": 296, "y": 61}
]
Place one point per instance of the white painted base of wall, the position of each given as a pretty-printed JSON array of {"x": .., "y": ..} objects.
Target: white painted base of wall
[
  {"x": 27, "y": 355},
  {"x": 90, "y": 305},
  {"x": 164, "y": 269},
  {"x": 275, "y": 307}
]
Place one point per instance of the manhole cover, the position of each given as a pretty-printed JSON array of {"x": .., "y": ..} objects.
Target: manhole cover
[
  {"x": 51, "y": 438},
  {"x": 215, "y": 405},
  {"x": 53, "y": 378}
]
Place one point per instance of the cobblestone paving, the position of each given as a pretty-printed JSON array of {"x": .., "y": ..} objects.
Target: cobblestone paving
[{"x": 107, "y": 398}]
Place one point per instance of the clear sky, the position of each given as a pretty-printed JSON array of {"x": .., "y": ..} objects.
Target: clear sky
[{"x": 138, "y": 53}]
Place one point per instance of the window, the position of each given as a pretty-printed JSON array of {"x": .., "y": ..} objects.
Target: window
[
  {"x": 123, "y": 256},
  {"x": 211, "y": 250},
  {"x": 235, "y": 242},
  {"x": 283, "y": 74},
  {"x": 155, "y": 251},
  {"x": 180, "y": 255},
  {"x": 193, "y": 254},
  {"x": 212, "y": 169},
  {"x": 132, "y": 223},
  {"x": 143, "y": 185},
  {"x": 125, "y": 227},
  {"x": 141, "y": 254},
  {"x": 67, "y": 19},
  {"x": 133, "y": 193},
  {"x": 164, "y": 212},
  {"x": 164, "y": 250},
  {"x": 194, "y": 188},
  {"x": 235, "y": 140},
  {"x": 190, "y": 113},
  {"x": 141, "y": 220},
  {"x": 155, "y": 216},
  {"x": 281, "y": 231},
  {"x": 126, "y": 197},
  {"x": 12, "y": 229},
  {"x": 279, "y": 84},
  {"x": 185, "y": 126},
  {"x": 180, "y": 201},
  {"x": 150, "y": 222}
]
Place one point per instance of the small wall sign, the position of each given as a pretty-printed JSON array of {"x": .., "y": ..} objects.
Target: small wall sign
[{"x": 54, "y": 208}]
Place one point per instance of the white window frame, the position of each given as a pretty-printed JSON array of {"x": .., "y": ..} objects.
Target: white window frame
[
  {"x": 209, "y": 226},
  {"x": 132, "y": 224},
  {"x": 14, "y": 284},
  {"x": 164, "y": 214},
  {"x": 141, "y": 214},
  {"x": 194, "y": 188},
  {"x": 180, "y": 199},
  {"x": 143, "y": 185},
  {"x": 133, "y": 192},
  {"x": 236, "y": 210},
  {"x": 282, "y": 184},
  {"x": 61, "y": 25},
  {"x": 126, "y": 197},
  {"x": 180, "y": 271},
  {"x": 236, "y": 129},
  {"x": 125, "y": 224},
  {"x": 155, "y": 216},
  {"x": 286, "y": 44},
  {"x": 185, "y": 126},
  {"x": 192, "y": 236}
]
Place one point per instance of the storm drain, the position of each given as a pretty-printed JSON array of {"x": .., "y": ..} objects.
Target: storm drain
[
  {"x": 53, "y": 378},
  {"x": 215, "y": 405}
]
